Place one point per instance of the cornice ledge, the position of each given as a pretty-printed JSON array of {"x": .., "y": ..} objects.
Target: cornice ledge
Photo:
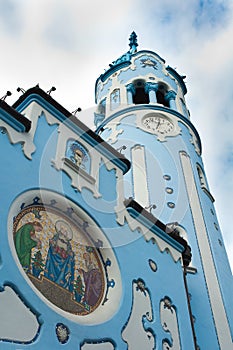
[
  {"x": 154, "y": 230},
  {"x": 36, "y": 94},
  {"x": 16, "y": 120}
]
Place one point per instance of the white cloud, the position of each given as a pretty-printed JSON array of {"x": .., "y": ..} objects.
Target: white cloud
[{"x": 69, "y": 43}]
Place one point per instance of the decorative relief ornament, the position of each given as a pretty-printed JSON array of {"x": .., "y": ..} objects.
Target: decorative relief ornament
[
  {"x": 160, "y": 125},
  {"x": 153, "y": 265},
  {"x": 195, "y": 142},
  {"x": 169, "y": 322},
  {"x": 149, "y": 63},
  {"x": 62, "y": 333}
]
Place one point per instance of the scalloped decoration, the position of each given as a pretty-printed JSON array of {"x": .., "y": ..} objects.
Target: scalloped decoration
[{"x": 18, "y": 323}]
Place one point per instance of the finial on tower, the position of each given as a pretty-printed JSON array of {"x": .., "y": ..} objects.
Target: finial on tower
[{"x": 133, "y": 42}]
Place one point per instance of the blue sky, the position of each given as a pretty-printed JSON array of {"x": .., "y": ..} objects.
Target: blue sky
[{"x": 69, "y": 43}]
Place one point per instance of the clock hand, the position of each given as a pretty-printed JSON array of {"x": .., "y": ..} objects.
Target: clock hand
[{"x": 158, "y": 124}]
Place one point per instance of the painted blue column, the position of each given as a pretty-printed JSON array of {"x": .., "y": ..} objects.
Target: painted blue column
[
  {"x": 130, "y": 92},
  {"x": 171, "y": 98},
  {"x": 151, "y": 89}
]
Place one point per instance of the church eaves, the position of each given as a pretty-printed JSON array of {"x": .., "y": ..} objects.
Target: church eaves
[{"x": 36, "y": 94}]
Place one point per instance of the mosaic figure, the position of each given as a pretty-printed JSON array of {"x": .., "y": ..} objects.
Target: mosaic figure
[
  {"x": 60, "y": 263},
  {"x": 25, "y": 239},
  {"x": 78, "y": 155},
  {"x": 92, "y": 279}
]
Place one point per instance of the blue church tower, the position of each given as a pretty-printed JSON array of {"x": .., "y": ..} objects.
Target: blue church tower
[
  {"x": 146, "y": 116},
  {"x": 109, "y": 239}
]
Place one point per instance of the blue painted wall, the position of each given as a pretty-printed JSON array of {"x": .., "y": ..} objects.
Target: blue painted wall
[{"x": 19, "y": 176}]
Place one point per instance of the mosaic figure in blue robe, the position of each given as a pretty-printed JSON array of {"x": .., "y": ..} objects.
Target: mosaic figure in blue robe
[{"x": 60, "y": 262}]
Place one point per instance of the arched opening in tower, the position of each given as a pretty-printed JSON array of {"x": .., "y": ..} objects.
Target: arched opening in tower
[
  {"x": 160, "y": 95},
  {"x": 140, "y": 96}
]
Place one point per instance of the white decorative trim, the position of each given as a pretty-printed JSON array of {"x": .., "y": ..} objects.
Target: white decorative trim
[
  {"x": 140, "y": 114},
  {"x": 194, "y": 141},
  {"x": 134, "y": 334},
  {"x": 120, "y": 209},
  {"x": 169, "y": 323},
  {"x": 99, "y": 88},
  {"x": 148, "y": 235},
  {"x": 123, "y": 216},
  {"x": 98, "y": 346},
  {"x": 140, "y": 186},
  {"x": 112, "y": 126},
  {"x": 17, "y": 322},
  {"x": 33, "y": 112},
  {"x": 213, "y": 288},
  {"x": 114, "y": 132}
]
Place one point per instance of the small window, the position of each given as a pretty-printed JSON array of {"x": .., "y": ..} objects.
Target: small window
[
  {"x": 100, "y": 113},
  {"x": 203, "y": 182},
  {"x": 115, "y": 99},
  {"x": 102, "y": 107},
  {"x": 201, "y": 176},
  {"x": 184, "y": 108},
  {"x": 140, "y": 96}
]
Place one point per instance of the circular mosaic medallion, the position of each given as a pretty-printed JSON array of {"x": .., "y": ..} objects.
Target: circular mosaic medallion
[{"x": 60, "y": 259}]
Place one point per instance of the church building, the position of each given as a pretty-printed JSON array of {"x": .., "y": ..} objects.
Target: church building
[{"x": 109, "y": 238}]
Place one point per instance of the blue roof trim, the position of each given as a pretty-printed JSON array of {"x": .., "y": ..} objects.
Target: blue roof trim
[
  {"x": 13, "y": 118},
  {"x": 155, "y": 229},
  {"x": 148, "y": 52},
  {"x": 113, "y": 69},
  {"x": 37, "y": 98},
  {"x": 103, "y": 77},
  {"x": 46, "y": 101},
  {"x": 153, "y": 107},
  {"x": 122, "y": 62},
  {"x": 6, "y": 117},
  {"x": 178, "y": 77},
  {"x": 115, "y": 157}
]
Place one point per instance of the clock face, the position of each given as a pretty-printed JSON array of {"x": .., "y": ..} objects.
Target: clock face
[{"x": 158, "y": 124}]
